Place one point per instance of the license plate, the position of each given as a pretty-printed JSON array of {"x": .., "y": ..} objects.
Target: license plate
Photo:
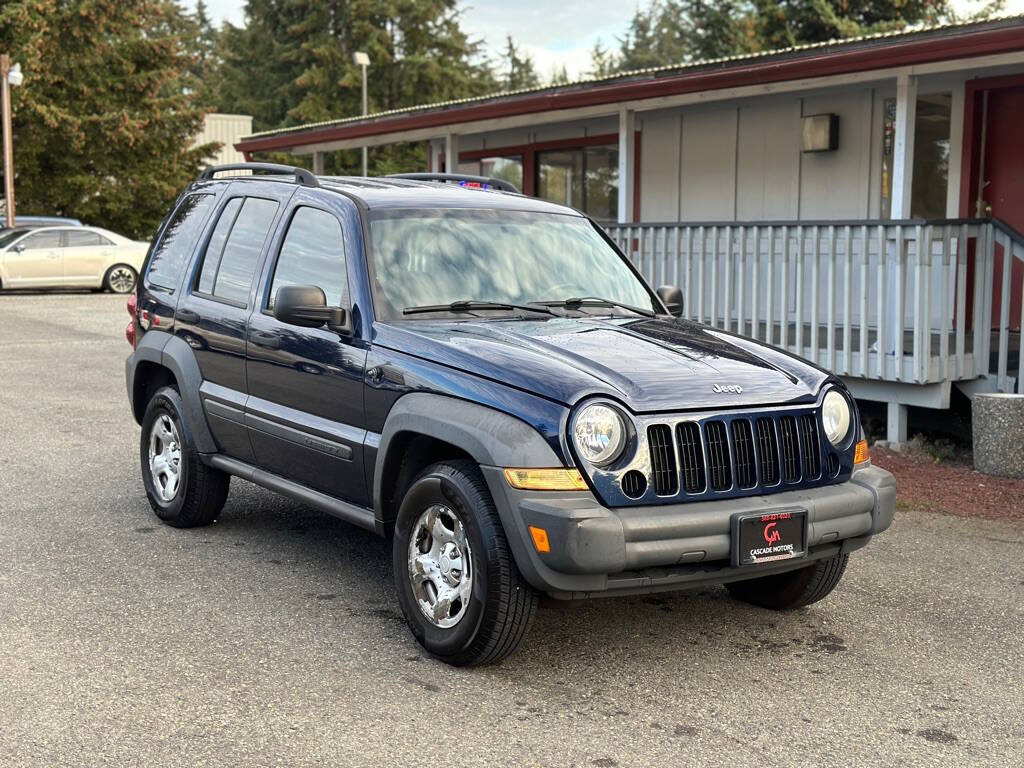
[{"x": 769, "y": 537}]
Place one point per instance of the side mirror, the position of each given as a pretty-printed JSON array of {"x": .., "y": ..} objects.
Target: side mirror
[
  {"x": 19, "y": 248},
  {"x": 672, "y": 297},
  {"x": 306, "y": 307}
]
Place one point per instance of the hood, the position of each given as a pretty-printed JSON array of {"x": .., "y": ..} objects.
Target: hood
[{"x": 649, "y": 365}]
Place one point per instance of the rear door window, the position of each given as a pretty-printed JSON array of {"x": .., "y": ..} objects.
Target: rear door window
[
  {"x": 83, "y": 238},
  {"x": 171, "y": 254},
  {"x": 234, "y": 249}
]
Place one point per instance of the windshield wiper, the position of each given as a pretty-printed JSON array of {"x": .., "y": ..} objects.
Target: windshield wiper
[
  {"x": 469, "y": 306},
  {"x": 595, "y": 301}
]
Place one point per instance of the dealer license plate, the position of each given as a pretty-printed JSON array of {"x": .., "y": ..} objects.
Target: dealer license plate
[{"x": 769, "y": 537}]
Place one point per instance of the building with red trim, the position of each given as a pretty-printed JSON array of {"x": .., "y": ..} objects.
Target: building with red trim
[{"x": 857, "y": 202}]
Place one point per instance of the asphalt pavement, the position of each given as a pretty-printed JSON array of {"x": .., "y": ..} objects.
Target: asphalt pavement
[{"x": 273, "y": 636}]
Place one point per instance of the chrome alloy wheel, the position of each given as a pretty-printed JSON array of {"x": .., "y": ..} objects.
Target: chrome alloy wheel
[
  {"x": 440, "y": 566},
  {"x": 121, "y": 280},
  {"x": 165, "y": 457}
]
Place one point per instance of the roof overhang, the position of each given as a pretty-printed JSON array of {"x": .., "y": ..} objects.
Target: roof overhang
[{"x": 605, "y": 97}]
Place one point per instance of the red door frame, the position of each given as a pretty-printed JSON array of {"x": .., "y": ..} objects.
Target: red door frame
[
  {"x": 970, "y": 170},
  {"x": 529, "y": 155}
]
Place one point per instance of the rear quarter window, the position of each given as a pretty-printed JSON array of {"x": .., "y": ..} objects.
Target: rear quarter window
[{"x": 171, "y": 254}]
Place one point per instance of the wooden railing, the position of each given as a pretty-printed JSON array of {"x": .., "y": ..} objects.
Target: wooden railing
[{"x": 902, "y": 301}]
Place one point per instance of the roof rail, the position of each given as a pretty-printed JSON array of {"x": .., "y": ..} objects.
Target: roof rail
[
  {"x": 462, "y": 179},
  {"x": 302, "y": 176}
]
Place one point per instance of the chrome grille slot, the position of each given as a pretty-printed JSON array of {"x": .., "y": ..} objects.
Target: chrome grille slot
[
  {"x": 768, "y": 451},
  {"x": 718, "y": 456},
  {"x": 811, "y": 447},
  {"x": 743, "y": 447},
  {"x": 691, "y": 456},
  {"x": 663, "y": 460},
  {"x": 790, "y": 449}
]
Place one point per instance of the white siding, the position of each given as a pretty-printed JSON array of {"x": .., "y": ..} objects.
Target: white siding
[
  {"x": 659, "y": 167},
  {"x": 708, "y": 180},
  {"x": 225, "y": 130},
  {"x": 768, "y": 161}
]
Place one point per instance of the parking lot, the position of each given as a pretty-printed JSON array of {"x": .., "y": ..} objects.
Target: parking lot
[{"x": 273, "y": 638}]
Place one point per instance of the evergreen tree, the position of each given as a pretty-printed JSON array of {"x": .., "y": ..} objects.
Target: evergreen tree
[
  {"x": 602, "y": 61},
  {"x": 104, "y": 122},
  {"x": 559, "y": 76},
  {"x": 520, "y": 68}
]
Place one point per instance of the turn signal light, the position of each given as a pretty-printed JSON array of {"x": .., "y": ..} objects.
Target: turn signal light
[
  {"x": 862, "y": 453},
  {"x": 546, "y": 479},
  {"x": 540, "y": 539}
]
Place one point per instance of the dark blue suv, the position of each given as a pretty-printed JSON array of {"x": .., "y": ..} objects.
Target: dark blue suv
[{"x": 484, "y": 378}]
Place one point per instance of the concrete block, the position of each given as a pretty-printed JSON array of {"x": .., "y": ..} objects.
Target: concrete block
[{"x": 999, "y": 434}]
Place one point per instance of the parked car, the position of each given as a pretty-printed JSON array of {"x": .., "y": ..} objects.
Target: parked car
[
  {"x": 41, "y": 221},
  {"x": 69, "y": 257},
  {"x": 485, "y": 379}
]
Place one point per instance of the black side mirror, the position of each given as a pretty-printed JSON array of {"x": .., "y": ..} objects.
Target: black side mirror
[
  {"x": 306, "y": 306},
  {"x": 672, "y": 297},
  {"x": 19, "y": 248}
]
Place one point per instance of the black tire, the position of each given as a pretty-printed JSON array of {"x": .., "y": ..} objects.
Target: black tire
[
  {"x": 793, "y": 589},
  {"x": 501, "y": 604},
  {"x": 201, "y": 490},
  {"x": 112, "y": 279}
]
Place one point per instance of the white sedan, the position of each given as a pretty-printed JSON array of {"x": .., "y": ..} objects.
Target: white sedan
[{"x": 69, "y": 257}]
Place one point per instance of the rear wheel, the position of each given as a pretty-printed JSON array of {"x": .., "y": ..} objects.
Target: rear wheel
[
  {"x": 793, "y": 589},
  {"x": 120, "y": 278},
  {"x": 182, "y": 490},
  {"x": 460, "y": 590}
]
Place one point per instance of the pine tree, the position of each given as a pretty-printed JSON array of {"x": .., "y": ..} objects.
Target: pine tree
[
  {"x": 602, "y": 61},
  {"x": 520, "y": 68},
  {"x": 104, "y": 122}
]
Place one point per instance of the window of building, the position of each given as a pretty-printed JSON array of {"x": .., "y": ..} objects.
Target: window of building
[
  {"x": 929, "y": 184},
  {"x": 178, "y": 241},
  {"x": 234, "y": 248},
  {"x": 586, "y": 178},
  {"x": 508, "y": 169},
  {"x": 313, "y": 253}
]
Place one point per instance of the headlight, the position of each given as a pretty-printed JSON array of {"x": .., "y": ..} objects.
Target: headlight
[
  {"x": 835, "y": 416},
  {"x": 599, "y": 434}
]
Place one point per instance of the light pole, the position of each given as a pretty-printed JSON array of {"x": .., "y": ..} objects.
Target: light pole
[
  {"x": 9, "y": 75},
  {"x": 363, "y": 60}
]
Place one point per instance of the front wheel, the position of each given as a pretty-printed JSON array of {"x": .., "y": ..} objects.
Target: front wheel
[
  {"x": 460, "y": 590},
  {"x": 793, "y": 589}
]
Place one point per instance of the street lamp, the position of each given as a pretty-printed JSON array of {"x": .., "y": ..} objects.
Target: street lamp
[
  {"x": 9, "y": 75},
  {"x": 362, "y": 59}
]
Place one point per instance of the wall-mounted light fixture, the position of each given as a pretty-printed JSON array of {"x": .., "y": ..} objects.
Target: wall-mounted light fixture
[{"x": 820, "y": 133}]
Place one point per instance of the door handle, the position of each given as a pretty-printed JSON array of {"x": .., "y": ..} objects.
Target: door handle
[
  {"x": 187, "y": 316},
  {"x": 268, "y": 340}
]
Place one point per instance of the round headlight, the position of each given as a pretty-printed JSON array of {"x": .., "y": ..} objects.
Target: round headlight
[
  {"x": 599, "y": 434},
  {"x": 835, "y": 416}
]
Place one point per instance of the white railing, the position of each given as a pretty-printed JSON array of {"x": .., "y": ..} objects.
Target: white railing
[{"x": 892, "y": 300}]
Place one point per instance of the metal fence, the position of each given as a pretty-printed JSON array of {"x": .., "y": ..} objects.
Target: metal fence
[{"x": 904, "y": 301}]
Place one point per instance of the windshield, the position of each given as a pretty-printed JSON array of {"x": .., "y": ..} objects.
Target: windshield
[
  {"x": 440, "y": 256},
  {"x": 10, "y": 235}
]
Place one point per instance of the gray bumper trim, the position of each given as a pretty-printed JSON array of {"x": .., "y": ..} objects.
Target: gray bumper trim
[{"x": 596, "y": 549}]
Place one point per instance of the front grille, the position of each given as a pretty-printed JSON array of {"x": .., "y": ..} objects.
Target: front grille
[
  {"x": 811, "y": 447},
  {"x": 790, "y": 449},
  {"x": 663, "y": 460},
  {"x": 768, "y": 451},
  {"x": 743, "y": 447},
  {"x": 737, "y": 454},
  {"x": 691, "y": 454}
]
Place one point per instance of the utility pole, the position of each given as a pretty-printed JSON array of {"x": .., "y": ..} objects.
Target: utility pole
[
  {"x": 5, "y": 73},
  {"x": 363, "y": 60}
]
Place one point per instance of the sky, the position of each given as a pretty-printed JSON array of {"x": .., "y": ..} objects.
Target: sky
[{"x": 553, "y": 33}]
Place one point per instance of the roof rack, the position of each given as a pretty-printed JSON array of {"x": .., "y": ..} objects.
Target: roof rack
[
  {"x": 302, "y": 176},
  {"x": 484, "y": 182}
]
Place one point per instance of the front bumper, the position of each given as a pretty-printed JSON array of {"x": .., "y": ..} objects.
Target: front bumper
[{"x": 596, "y": 550}]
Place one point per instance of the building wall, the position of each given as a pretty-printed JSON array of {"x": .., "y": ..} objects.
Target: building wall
[{"x": 225, "y": 130}]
